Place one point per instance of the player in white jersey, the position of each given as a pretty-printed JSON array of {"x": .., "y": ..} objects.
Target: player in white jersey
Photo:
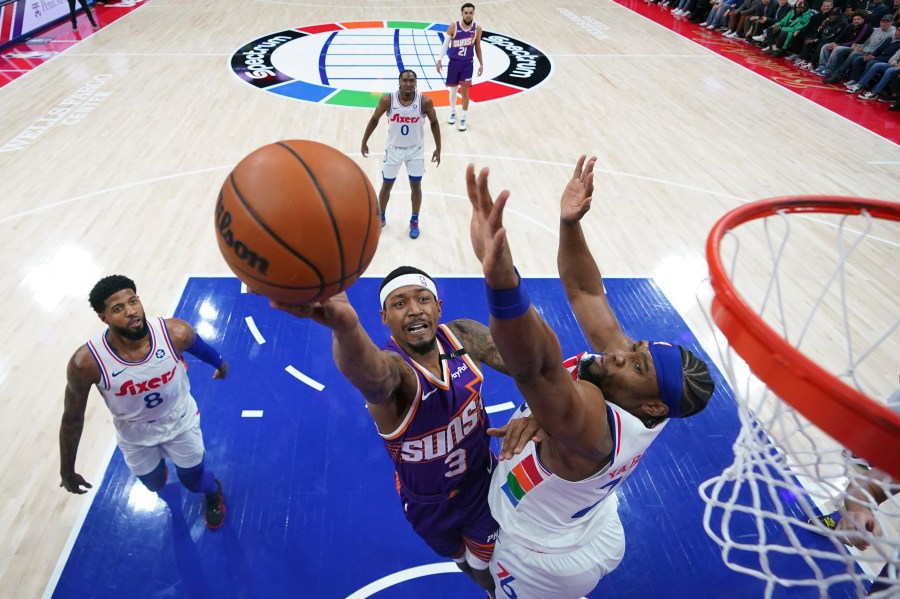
[
  {"x": 137, "y": 366},
  {"x": 559, "y": 527},
  {"x": 406, "y": 111}
]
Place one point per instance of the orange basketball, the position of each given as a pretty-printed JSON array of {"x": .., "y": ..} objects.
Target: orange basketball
[{"x": 297, "y": 221}]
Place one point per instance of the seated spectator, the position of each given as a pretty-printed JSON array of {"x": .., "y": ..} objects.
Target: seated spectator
[
  {"x": 853, "y": 35},
  {"x": 758, "y": 35},
  {"x": 737, "y": 17},
  {"x": 878, "y": 60},
  {"x": 701, "y": 10},
  {"x": 875, "y": 10},
  {"x": 782, "y": 33},
  {"x": 760, "y": 18},
  {"x": 883, "y": 70},
  {"x": 835, "y": 23},
  {"x": 718, "y": 15},
  {"x": 810, "y": 35},
  {"x": 894, "y": 84},
  {"x": 683, "y": 8},
  {"x": 842, "y": 58}
]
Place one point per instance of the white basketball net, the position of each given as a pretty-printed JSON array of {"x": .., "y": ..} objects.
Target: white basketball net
[{"x": 825, "y": 283}]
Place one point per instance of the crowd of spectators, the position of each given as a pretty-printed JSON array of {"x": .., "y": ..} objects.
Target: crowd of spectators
[{"x": 854, "y": 43}]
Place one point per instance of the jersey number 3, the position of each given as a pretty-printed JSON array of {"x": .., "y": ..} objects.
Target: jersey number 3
[{"x": 456, "y": 463}]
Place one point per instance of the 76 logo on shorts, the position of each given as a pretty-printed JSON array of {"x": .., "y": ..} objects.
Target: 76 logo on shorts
[{"x": 506, "y": 579}]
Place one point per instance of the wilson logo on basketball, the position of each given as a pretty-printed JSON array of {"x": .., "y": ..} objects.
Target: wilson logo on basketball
[
  {"x": 131, "y": 388},
  {"x": 396, "y": 118},
  {"x": 238, "y": 247}
]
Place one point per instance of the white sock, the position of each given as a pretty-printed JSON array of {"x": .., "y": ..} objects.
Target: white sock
[
  {"x": 462, "y": 114},
  {"x": 453, "y": 99}
]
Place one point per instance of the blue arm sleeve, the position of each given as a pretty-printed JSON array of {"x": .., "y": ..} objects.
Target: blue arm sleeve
[{"x": 205, "y": 352}]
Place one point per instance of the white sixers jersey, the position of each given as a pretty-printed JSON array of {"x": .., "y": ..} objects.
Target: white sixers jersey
[
  {"x": 144, "y": 390},
  {"x": 406, "y": 124},
  {"x": 545, "y": 513}
]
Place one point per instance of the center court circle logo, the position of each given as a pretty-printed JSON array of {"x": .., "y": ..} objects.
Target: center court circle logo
[{"x": 353, "y": 63}]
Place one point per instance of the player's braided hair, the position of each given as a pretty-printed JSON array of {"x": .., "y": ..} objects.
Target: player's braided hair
[
  {"x": 107, "y": 286},
  {"x": 698, "y": 385}
]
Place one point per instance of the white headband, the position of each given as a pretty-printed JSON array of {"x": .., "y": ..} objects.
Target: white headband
[{"x": 416, "y": 279}]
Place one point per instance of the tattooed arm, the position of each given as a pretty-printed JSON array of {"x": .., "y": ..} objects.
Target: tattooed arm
[{"x": 479, "y": 344}]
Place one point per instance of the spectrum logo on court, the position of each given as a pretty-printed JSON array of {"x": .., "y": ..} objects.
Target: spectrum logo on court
[{"x": 353, "y": 63}]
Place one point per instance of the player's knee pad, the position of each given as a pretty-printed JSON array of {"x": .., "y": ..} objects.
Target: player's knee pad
[{"x": 155, "y": 480}]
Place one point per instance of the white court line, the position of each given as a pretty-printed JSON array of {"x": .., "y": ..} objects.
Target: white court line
[
  {"x": 303, "y": 378},
  {"x": 254, "y": 331},
  {"x": 567, "y": 165},
  {"x": 251, "y": 414},
  {"x": 76, "y": 529},
  {"x": 402, "y": 576},
  {"x": 107, "y": 190},
  {"x": 500, "y": 407}
]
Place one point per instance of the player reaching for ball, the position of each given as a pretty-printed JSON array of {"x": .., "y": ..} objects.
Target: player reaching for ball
[
  {"x": 406, "y": 110},
  {"x": 423, "y": 390}
]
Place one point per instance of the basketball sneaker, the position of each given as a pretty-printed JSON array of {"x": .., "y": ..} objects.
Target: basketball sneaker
[
  {"x": 414, "y": 229},
  {"x": 462, "y": 124},
  {"x": 215, "y": 508},
  {"x": 452, "y": 118}
]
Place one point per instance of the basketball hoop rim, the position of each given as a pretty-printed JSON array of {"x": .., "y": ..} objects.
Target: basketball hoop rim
[{"x": 864, "y": 426}]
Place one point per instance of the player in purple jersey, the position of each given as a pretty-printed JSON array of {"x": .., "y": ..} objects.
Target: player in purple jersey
[
  {"x": 423, "y": 390},
  {"x": 154, "y": 413},
  {"x": 462, "y": 40}
]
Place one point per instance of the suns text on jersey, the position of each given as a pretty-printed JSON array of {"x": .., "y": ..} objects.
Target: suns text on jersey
[{"x": 437, "y": 444}]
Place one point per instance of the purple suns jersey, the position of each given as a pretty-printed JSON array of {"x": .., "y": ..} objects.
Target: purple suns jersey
[
  {"x": 443, "y": 439},
  {"x": 462, "y": 45}
]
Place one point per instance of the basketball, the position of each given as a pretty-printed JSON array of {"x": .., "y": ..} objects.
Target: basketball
[{"x": 297, "y": 221}]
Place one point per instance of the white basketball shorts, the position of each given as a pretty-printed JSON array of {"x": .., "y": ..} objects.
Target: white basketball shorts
[
  {"x": 175, "y": 436},
  {"x": 525, "y": 574},
  {"x": 413, "y": 157}
]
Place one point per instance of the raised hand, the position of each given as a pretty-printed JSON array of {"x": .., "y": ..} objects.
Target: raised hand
[
  {"x": 487, "y": 232},
  {"x": 576, "y": 197}
]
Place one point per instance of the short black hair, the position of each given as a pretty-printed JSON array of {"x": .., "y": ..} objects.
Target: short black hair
[
  {"x": 416, "y": 77},
  {"x": 697, "y": 383},
  {"x": 467, "y": 5},
  {"x": 107, "y": 286}
]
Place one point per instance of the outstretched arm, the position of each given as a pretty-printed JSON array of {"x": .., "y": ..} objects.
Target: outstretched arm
[
  {"x": 81, "y": 373},
  {"x": 578, "y": 270},
  {"x": 386, "y": 382},
  {"x": 529, "y": 348},
  {"x": 383, "y": 104}
]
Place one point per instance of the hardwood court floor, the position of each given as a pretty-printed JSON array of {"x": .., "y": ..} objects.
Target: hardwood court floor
[{"x": 126, "y": 183}]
